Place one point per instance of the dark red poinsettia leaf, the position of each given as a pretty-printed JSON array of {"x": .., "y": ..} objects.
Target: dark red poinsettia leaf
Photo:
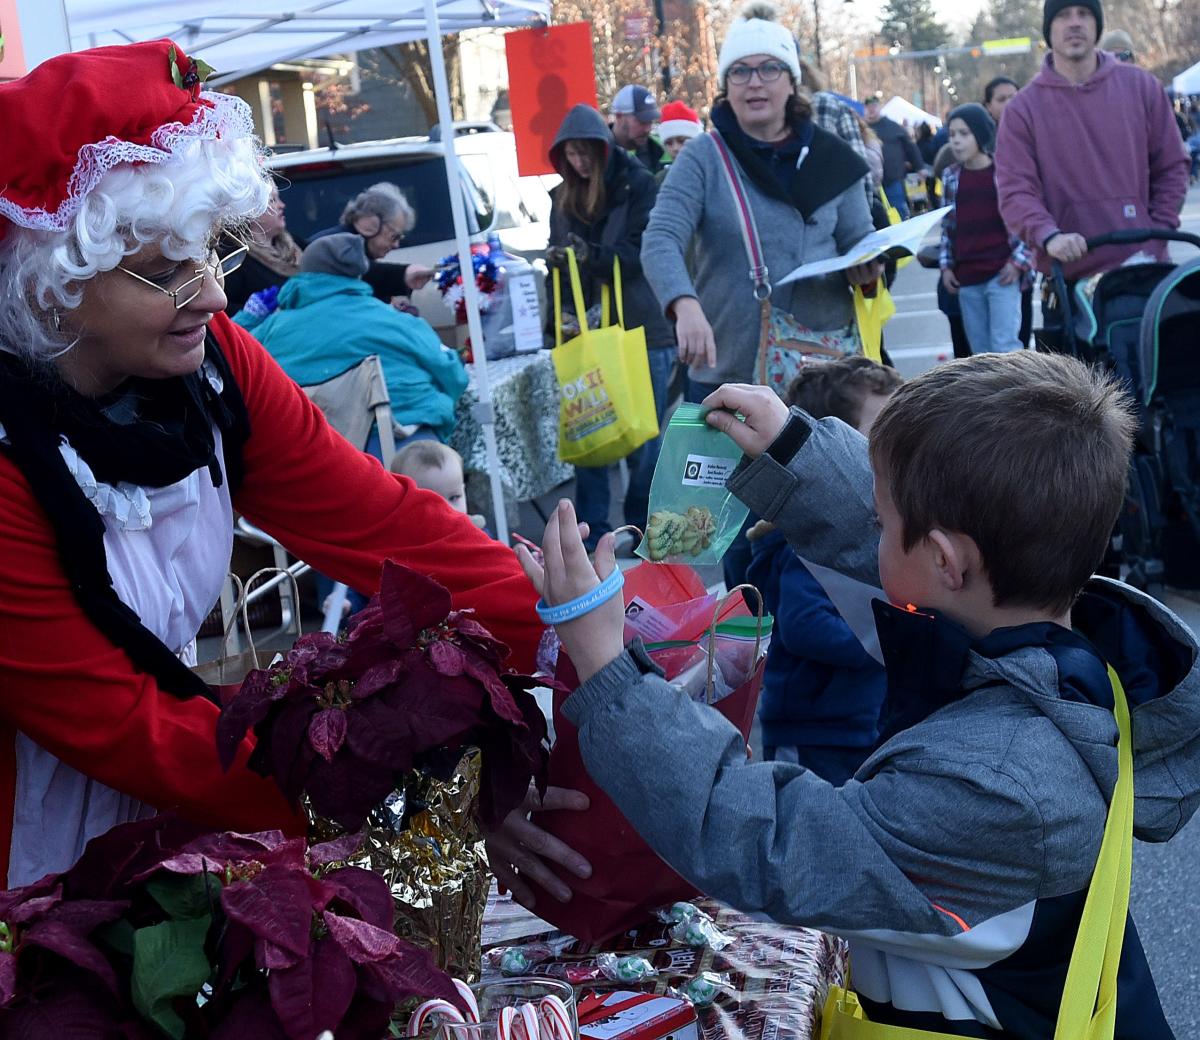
[
  {"x": 82, "y": 915},
  {"x": 311, "y": 996},
  {"x": 291, "y": 755},
  {"x": 210, "y": 853},
  {"x": 248, "y": 707},
  {"x": 402, "y": 968},
  {"x": 468, "y": 630},
  {"x": 275, "y": 905},
  {"x": 11, "y": 899},
  {"x": 381, "y": 735},
  {"x": 8, "y": 978},
  {"x": 235, "y": 948},
  {"x": 327, "y": 731},
  {"x": 61, "y": 939},
  {"x": 365, "y": 892},
  {"x": 269, "y": 957},
  {"x": 250, "y": 1015},
  {"x": 500, "y": 696},
  {"x": 336, "y": 850},
  {"x": 378, "y": 677},
  {"x": 112, "y": 862},
  {"x": 446, "y": 658},
  {"x": 347, "y": 789},
  {"x": 411, "y": 603},
  {"x": 65, "y": 1011},
  {"x": 33, "y": 908}
]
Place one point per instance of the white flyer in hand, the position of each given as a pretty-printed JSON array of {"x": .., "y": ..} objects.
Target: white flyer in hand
[{"x": 903, "y": 239}]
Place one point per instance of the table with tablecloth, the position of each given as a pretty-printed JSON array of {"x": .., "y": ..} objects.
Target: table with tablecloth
[
  {"x": 774, "y": 978},
  {"x": 525, "y": 403}
]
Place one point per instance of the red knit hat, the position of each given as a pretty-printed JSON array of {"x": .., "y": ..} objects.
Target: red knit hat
[
  {"x": 679, "y": 121},
  {"x": 76, "y": 116}
]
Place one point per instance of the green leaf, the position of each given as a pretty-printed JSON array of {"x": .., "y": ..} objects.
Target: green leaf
[
  {"x": 185, "y": 897},
  {"x": 168, "y": 962},
  {"x": 204, "y": 69},
  {"x": 117, "y": 935},
  {"x": 176, "y": 75}
]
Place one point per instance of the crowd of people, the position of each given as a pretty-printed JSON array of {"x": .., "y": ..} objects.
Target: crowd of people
[{"x": 937, "y": 796}]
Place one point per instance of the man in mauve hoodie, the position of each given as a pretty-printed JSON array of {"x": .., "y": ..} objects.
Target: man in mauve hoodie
[{"x": 1089, "y": 146}]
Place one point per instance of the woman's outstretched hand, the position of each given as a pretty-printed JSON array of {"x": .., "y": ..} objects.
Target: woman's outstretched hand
[
  {"x": 693, "y": 333},
  {"x": 764, "y": 413},
  {"x": 596, "y": 638},
  {"x": 519, "y": 850}
]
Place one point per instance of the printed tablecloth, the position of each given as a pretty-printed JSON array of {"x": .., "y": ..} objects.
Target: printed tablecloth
[{"x": 525, "y": 401}]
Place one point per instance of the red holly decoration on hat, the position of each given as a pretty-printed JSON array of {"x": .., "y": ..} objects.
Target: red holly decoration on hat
[{"x": 79, "y": 115}]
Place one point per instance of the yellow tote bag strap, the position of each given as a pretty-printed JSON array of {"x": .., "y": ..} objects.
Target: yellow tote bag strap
[
  {"x": 605, "y": 297},
  {"x": 1089, "y": 1007},
  {"x": 871, "y": 313},
  {"x": 576, "y": 292},
  {"x": 1089, "y": 1002}
]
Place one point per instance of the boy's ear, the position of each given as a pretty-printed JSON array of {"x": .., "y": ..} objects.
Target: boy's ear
[{"x": 953, "y": 557}]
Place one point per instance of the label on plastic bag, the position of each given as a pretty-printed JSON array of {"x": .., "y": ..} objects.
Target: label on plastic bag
[{"x": 707, "y": 471}]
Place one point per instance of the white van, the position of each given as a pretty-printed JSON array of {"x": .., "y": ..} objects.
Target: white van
[{"x": 317, "y": 183}]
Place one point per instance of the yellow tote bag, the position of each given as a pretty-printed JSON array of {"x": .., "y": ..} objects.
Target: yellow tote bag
[
  {"x": 871, "y": 313},
  {"x": 1089, "y": 1002},
  {"x": 894, "y": 217},
  {"x": 606, "y": 399}
]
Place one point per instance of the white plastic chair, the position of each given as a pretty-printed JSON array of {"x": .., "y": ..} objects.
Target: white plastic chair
[{"x": 354, "y": 402}]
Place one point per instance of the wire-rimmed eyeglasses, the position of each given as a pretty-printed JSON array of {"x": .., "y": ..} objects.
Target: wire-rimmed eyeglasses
[{"x": 220, "y": 266}]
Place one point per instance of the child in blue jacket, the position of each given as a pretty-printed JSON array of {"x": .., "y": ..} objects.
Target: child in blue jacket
[{"x": 821, "y": 690}]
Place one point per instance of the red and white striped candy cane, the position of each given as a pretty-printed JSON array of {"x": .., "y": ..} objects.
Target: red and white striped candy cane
[
  {"x": 555, "y": 1018},
  {"x": 468, "y": 998},
  {"x": 416, "y": 1024}
]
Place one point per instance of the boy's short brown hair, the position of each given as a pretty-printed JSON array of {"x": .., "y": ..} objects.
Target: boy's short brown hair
[
  {"x": 1025, "y": 453},
  {"x": 423, "y": 455},
  {"x": 839, "y": 387}
]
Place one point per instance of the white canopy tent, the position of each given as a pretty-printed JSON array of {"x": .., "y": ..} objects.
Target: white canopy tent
[
  {"x": 905, "y": 112},
  {"x": 240, "y": 37},
  {"x": 1188, "y": 81}
]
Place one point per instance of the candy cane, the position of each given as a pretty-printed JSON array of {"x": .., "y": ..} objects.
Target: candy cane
[
  {"x": 529, "y": 1021},
  {"x": 468, "y": 998},
  {"x": 554, "y": 1013},
  {"x": 421, "y": 1016},
  {"x": 504, "y": 1027}
]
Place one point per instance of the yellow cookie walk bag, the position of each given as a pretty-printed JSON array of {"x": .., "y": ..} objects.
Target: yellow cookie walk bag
[
  {"x": 1089, "y": 1002},
  {"x": 605, "y": 397}
]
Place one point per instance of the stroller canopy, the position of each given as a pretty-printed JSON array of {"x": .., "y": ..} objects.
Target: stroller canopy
[{"x": 1169, "y": 328}]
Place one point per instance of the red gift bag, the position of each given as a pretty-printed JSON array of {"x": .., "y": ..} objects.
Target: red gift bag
[{"x": 628, "y": 878}]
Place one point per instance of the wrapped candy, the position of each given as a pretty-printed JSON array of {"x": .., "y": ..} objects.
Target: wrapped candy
[
  {"x": 700, "y": 931},
  {"x": 625, "y": 969},
  {"x": 704, "y": 988}
]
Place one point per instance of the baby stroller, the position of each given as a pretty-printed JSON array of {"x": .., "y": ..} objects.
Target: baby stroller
[{"x": 1143, "y": 323}]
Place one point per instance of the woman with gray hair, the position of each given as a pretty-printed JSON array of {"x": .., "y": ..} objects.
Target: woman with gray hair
[
  {"x": 383, "y": 216},
  {"x": 134, "y": 418}
]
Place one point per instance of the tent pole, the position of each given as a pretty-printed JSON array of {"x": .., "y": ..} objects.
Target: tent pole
[{"x": 483, "y": 409}]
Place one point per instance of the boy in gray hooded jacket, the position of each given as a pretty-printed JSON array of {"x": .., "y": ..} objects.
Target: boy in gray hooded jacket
[{"x": 957, "y": 860}]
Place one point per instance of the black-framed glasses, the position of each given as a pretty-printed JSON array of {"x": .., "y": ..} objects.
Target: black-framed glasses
[
  {"x": 220, "y": 266},
  {"x": 768, "y": 72}
]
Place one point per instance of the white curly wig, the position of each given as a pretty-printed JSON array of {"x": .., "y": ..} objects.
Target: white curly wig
[{"x": 179, "y": 205}]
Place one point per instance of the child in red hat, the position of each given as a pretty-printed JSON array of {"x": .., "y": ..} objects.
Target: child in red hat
[{"x": 678, "y": 126}]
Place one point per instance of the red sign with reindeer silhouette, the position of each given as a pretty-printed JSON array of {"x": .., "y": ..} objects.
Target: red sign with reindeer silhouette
[{"x": 549, "y": 71}]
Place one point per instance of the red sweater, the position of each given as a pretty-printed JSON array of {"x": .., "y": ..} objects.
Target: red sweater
[{"x": 64, "y": 685}]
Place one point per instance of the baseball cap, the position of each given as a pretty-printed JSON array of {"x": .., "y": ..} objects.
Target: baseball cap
[{"x": 635, "y": 100}]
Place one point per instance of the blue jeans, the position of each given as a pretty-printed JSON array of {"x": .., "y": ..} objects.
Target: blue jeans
[
  {"x": 898, "y": 197},
  {"x": 592, "y": 492},
  {"x": 991, "y": 314}
]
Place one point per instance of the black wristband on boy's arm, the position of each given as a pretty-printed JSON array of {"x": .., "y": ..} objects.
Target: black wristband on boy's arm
[{"x": 791, "y": 438}]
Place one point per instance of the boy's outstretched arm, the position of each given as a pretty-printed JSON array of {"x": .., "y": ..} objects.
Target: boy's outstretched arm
[
  {"x": 920, "y": 855},
  {"x": 811, "y": 477}
]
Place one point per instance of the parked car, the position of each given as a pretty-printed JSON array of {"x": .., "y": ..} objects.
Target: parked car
[{"x": 317, "y": 183}]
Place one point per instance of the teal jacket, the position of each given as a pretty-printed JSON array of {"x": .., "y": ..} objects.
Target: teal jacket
[{"x": 325, "y": 323}]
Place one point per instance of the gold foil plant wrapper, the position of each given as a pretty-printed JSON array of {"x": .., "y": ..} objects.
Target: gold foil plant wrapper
[{"x": 433, "y": 862}]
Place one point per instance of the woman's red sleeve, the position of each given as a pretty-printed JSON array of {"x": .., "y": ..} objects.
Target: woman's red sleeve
[
  {"x": 342, "y": 512},
  {"x": 71, "y": 690}
]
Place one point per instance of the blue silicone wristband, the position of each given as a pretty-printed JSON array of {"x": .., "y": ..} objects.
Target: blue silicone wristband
[{"x": 584, "y": 604}]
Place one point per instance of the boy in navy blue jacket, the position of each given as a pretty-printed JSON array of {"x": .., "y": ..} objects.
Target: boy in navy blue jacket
[{"x": 822, "y": 690}]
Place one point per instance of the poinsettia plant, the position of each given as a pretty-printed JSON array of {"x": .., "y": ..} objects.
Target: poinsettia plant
[
  {"x": 162, "y": 930},
  {"x": 411, "y": 685}
]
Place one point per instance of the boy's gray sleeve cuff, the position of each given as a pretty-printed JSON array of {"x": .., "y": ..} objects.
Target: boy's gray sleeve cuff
[
  {"x": 610, "y": 682},
  {"x": 763, "y": 484}
]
